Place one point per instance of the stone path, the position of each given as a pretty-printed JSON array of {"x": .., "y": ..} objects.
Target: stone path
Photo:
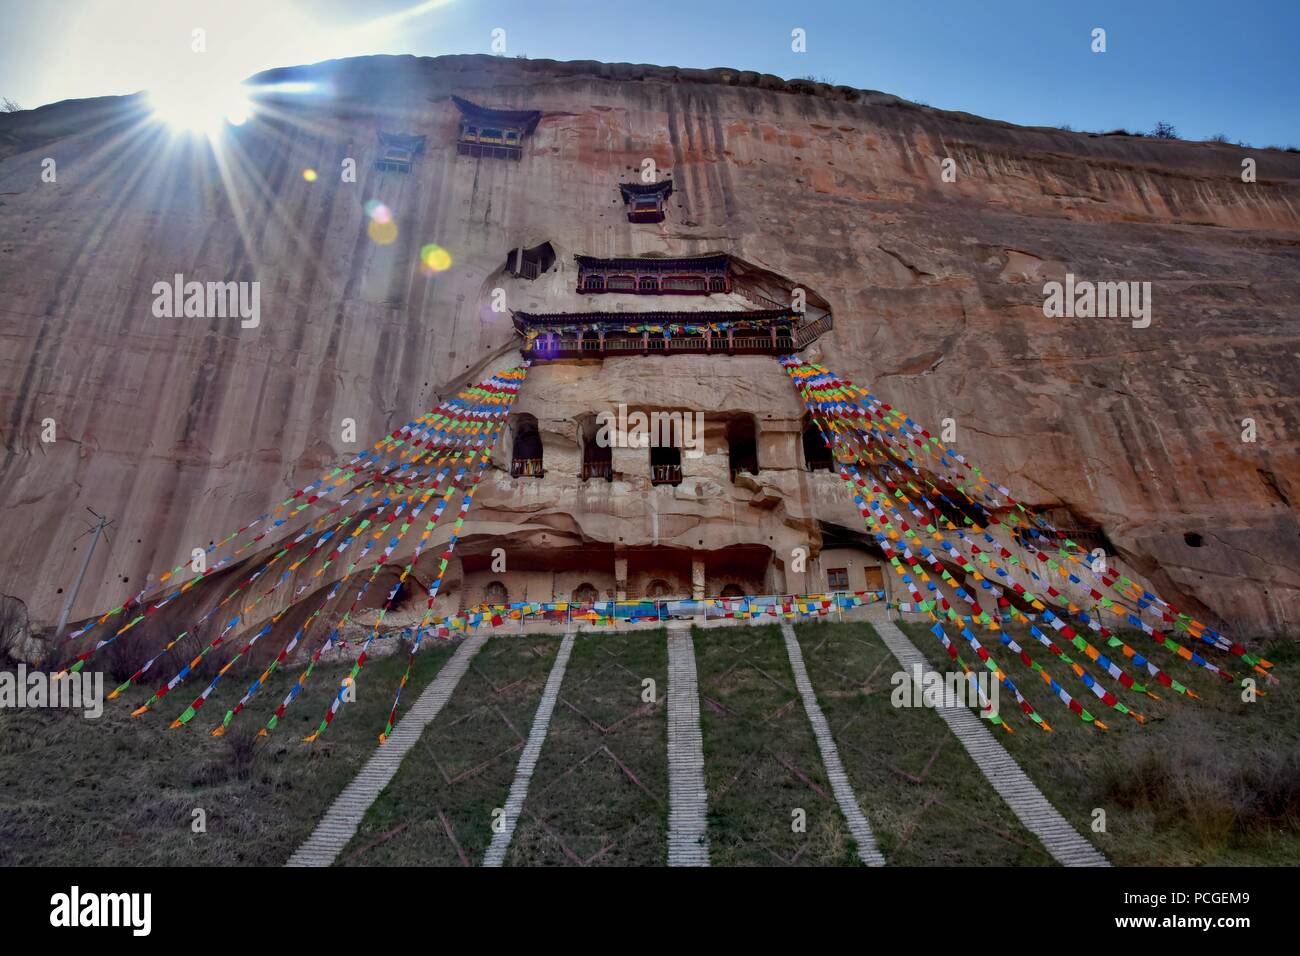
[
  {"x": 496, "y": 851},
  {"x": 1062, "y": 841},
  {"x": 868, "y": 851},
  {"x": 688, "y": 838},
  {"x": 339, "y": 824}
]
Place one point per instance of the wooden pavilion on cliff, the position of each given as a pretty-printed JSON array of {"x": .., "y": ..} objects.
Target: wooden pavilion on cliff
[
  {"x": 397, "y": 151},
  {"x": 497, "y": 134},
  {"x": 691, "y": 275},
  {"x": 596, "y": 334},
  {"x": 645, "y": 201}
]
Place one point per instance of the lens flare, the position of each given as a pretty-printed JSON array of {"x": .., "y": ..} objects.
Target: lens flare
[
  {"x": 309, "y": 175},
  {"x": 435, "y": 258},
  {"x": 377, "y": 211},
  {"x": 382, "y": 233}
]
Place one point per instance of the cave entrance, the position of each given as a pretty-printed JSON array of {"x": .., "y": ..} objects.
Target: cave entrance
[
  {"x": 526, "y": 457},
  {"x": 816, "y": 454},
  {"x": 742, "y": 445}
]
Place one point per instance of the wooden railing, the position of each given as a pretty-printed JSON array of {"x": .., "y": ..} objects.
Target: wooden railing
[
  {"x": 597, "y": 469},
  {"x": 527, "y": 468},
  {"x": 591, "y": 344},
  {"x": 805, "y": 335},
  {"x": 665, "y": 474}
]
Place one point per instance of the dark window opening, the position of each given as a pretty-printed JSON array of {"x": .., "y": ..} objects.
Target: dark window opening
[
  {"x": 742, "y": 446},
  {"x": 816, "y": 455},
  {"x": 666, "y": 463},
  {"x": 530, "y": 263},
  {"x": 837, "y": 579},
  {"x": 496, "y": 593},
  {"x": 733, "y": 591},
  {"x": 597, "y": 458},
  {"x": 717, "y": 284},
  {"x": 526, "y": 457}
]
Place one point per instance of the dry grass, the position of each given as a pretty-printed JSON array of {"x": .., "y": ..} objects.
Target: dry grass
[
  {"x": 438, "y": 809},
  {"x": 761, "y": 761},
  {"x": 1214, "y": 781},
  {"x": 123, "y": 791},
  {"x": 926, "y": 800}
]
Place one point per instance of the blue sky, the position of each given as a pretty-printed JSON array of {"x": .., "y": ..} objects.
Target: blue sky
[{"x": 1207, "y": 67}]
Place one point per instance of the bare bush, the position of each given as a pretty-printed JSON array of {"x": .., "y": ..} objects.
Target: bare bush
[{"x": 15, "y": 628}]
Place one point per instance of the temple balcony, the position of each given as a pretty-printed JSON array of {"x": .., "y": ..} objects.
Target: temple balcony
[
  {"x": 599, "y": 334},
  {"x": 397, "y": 151},
  {"x": 693, "y": 275},
  {"x": 645, "y": 201},
  {"x": 493, "y": 133}
]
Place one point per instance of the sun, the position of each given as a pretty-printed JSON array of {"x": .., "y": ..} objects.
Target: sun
[{"x": 201, "y": 108}]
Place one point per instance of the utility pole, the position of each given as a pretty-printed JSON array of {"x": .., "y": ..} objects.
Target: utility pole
[{"x": 100, "y": 527}]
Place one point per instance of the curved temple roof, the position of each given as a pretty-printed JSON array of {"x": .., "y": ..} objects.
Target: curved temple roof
[
  {"x": 524, "y": 119},
  {"x": 711, "y": 261},
  {"x": 663, "y": 189}
]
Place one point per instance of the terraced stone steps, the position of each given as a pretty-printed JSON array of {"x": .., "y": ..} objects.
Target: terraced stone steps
[
  {"x": 1026, "y": 801},
  {"x": 688, "y": 838},
  {"x": 339, "y": 823},
  {"x": 868, "y": 850},
  {"x": 496, "y": 851}
]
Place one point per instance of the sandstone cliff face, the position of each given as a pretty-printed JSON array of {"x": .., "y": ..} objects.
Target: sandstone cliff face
[{"x": 182, "y": 429}]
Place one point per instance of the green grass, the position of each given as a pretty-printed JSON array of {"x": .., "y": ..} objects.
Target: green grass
[
  {"x": 121, "y": 791},
  {"x": 926, "y": 800},
  {"x": 761, "y": 762},
  {"x": 1214, "y": 781},
  {"x": 1208, "y": 782},
  {"x": 437, "y": 811},
  {"x": 599, "y": 795}
]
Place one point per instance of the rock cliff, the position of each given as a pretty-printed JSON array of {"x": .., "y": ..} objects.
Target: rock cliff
[{"x": 182, "y": 429}]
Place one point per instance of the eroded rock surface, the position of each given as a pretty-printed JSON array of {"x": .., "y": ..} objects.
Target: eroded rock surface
[{"x": 183, "y": 429}]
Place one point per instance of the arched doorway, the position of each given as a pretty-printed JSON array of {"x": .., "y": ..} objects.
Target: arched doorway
[
  {"x": 496, "y": 593},
  {"x": 733, "y": 591},
  {"x": 658, "y": 589},
  {"x": 585, "y": 593}
]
